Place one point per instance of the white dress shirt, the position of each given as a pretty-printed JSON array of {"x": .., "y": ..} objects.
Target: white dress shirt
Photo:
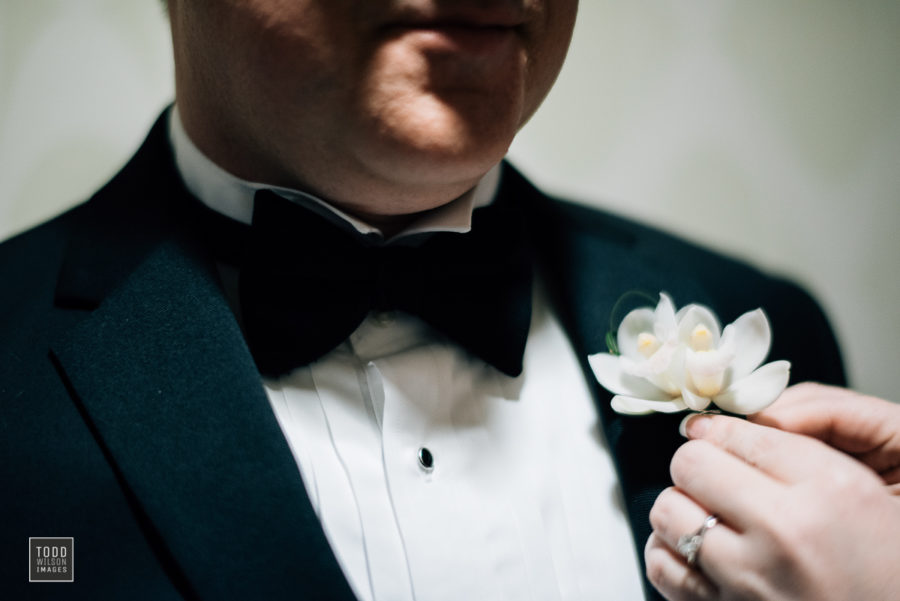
[{"x": 521, "y": 500}]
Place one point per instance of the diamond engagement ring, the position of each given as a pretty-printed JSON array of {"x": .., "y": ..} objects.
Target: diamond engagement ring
[{"x": 689, "y": 544}]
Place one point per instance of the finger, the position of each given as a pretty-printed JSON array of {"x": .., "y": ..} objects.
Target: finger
[
  {"x": 867, "y": 427},
  {"x": 785, "y": 456},
  {"x": 674, "y": 515},
  {"x": 842, "y": 418},
  {"x": 726, "y": 485},
  {"x": 672, "y": 577}
]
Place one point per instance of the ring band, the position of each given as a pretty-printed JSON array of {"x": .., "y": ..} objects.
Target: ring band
[{"x": 689, "y": 544}]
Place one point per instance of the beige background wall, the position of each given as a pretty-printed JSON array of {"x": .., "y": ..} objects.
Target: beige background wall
[{"x": 766, "y": 128}]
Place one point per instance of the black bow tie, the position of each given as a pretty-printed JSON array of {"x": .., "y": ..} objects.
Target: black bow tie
[{"x": 306, "y": 284}]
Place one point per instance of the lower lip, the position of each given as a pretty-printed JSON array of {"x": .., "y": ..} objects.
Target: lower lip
[{"x": 461, "y": 39}]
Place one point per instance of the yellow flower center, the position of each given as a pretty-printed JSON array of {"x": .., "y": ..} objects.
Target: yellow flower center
[
  {"x": 701, "y": 338},
  {"x": 647, "y": 344}
]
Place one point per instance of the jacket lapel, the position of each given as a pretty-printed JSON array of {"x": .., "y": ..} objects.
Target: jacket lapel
[{"x": 161, "y": 374}]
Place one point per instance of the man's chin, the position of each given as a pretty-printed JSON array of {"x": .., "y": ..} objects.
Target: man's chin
[
  {"x": 430, "y": 165},
  {"x": 446, "y": 144}
]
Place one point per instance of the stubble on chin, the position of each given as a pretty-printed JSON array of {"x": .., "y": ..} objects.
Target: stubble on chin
[{"x": 439, "y": 116}]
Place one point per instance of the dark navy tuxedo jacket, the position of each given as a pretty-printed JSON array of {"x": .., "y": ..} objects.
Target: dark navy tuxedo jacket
[{"x": 133, "y": 419}]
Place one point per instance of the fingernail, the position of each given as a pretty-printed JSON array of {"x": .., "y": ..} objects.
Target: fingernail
[
  {"x": 682, "y": 427},
  {"x": 694, "y": 425}
]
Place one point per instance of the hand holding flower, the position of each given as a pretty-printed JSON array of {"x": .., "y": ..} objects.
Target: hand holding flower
[{"x": 798, "y": 520}]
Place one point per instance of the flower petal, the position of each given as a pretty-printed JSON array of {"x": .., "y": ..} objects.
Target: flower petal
[
  {"x": 756, "y": 391},
  {"x": 665, "y": 325},
  {"x": 707, "y": 363},
  {"x": 691, "y": 316},
  {"x": 609, "y": 371},
  {"x": 634, "y": 406},
  {"x": 668, "y": 376},
  {"x": 750, "y": 337},
  {"x": 634, "y": 324},
  {"x": 694, "y": 401},
  {"x": 658, "y": 363}
]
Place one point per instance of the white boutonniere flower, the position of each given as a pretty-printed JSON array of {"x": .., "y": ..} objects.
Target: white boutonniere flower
[{"x": 669, "y": 362}]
